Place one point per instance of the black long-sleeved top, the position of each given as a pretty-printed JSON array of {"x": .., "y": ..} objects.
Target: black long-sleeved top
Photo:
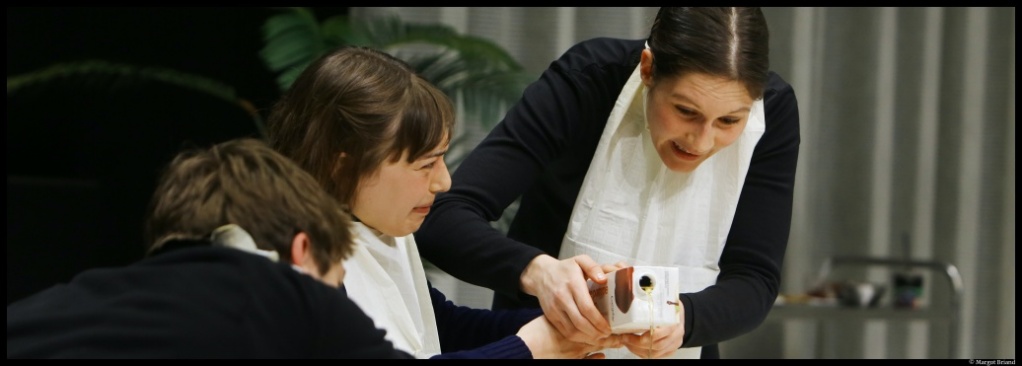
[
  {"x": 199, "y": 301},
  {"x": 541, "y": 152},
  {"x": 195, "y": 302}
]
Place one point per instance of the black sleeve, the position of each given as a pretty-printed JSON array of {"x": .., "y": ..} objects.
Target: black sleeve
[
  {"x": 510, "y": 347},
  {"x": 564, "y": 103},
  {"x": 750, "y": 265},
  {"x": 462, "y": 328},
  {"x": 346, "y": 331}
]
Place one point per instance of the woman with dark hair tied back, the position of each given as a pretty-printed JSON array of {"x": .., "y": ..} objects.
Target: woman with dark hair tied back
[
  {"x": 374, "y": 133},
  {"x": 676, "y": 150}
]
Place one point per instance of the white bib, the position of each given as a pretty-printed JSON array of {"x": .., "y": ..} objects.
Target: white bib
[
  {"x": 632, "y": 208},
  {"x": 386, "y": 279}
]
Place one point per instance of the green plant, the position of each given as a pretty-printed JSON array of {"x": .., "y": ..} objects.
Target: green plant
[{"x": 479, "y": 75}]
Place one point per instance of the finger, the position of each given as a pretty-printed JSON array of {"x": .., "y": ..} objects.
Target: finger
[
  {"x": 635, "y": 340},
  {"x": 663, "y": 344},
  {"x": 611, "y": 341},
  {"x": 642, "y": 352},
  {"x": 561, "y": 322},
  {"x": 662, "y": 334},
  {"x": 665, "y": 352},
  {"x": 667, "y": 332},
  {"x": 608, "y": 268},
  {"x": 641, "y": 345},
  {"x": 584, "y": 301},
  {"x": 590, "y": 268},
  {"x": 562, "y": 312},
  {"x": 556, "y": 317},
  {"x": 672, "y": 341},
  {"x": 595, "y": 356},
  {"x": 577, "y": 303},
  {"x": 590, "y": 321},
  {"x": 581, "y": 323},
  {"x": 589, "y": 348}
]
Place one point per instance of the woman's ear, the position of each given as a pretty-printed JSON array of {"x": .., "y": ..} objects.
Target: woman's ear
[{"x": 646, "y": 67}]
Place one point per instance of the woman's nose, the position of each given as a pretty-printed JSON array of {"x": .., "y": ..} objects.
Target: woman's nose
[{"x": 441, "y": 178}]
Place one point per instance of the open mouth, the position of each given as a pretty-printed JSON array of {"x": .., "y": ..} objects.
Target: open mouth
[{"x": 682, "y": 153}]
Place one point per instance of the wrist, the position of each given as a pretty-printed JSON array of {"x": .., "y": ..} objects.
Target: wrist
[
  {"x": 529, "y": 335},
  {"x": 532, "y": 275}
]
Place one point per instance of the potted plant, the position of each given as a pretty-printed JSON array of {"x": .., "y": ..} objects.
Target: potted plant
[{"x": 478, "y": 75}]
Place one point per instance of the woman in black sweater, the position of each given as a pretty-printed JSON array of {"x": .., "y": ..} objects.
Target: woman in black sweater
[{"x": 675, "y": 150}]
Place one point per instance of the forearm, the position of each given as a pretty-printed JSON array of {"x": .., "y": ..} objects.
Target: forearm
[
  {"x": 478, "y": 253},
  {"x": 463, "y": 328},
  {"x": 726, "y": 310},
  {"x": 566, "y": 108},
  {"x": 750, "y": 264},
  {"x": 510, "y": 347}
]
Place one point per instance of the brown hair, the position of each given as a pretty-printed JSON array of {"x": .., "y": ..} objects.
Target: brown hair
[
  {"x": 245, "y": 182},
  {"x": 727, "y": 42},
  {"x": 364, "y": 104}
]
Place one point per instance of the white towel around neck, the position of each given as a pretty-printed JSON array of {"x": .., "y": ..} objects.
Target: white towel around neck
[
  {"x": 632, "y": 208},
  {"x": 386, "y": 279}
]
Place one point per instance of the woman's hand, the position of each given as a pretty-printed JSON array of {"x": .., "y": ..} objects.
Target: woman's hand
[
  {"x": 546, "y": 342},
  {"x": 560, "y": 286},
  {"x": 663, "y": 341}
]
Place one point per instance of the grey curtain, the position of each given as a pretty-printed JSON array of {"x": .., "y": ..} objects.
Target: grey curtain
[{"x": 908, "y": 151}]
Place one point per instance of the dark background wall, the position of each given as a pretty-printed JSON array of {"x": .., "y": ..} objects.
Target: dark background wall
[{"x": 83, "y": 154}]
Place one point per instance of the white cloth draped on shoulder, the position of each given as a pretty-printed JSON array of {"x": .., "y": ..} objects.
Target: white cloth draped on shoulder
[
  {"x": 386, "y": 279},
  {"x": 632, "y": 208}
]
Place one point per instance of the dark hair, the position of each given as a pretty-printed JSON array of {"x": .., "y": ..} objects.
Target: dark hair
[
  {"x": 727, "y": 42},
  {"x": 247, "y": 183},
  {"x": 365, "y": 104}
]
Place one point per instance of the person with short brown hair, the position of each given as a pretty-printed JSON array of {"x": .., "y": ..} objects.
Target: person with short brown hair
[{"x": 244, "y": 261}]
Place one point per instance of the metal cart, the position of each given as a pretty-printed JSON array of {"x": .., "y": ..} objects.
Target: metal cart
[{"x": 946, "y": 270}]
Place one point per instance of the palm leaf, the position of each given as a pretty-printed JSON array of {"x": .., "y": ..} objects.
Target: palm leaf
[
  {"x": 486, "y": 93},
  {"x": 337, "y": 31},
  {"x": 105, "y": 75},
  {"x": 475, "y": 51},
  {"x": 293, "y": 39}
]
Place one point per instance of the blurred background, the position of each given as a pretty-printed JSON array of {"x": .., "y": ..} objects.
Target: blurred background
[{"x": 902, "y": 241}]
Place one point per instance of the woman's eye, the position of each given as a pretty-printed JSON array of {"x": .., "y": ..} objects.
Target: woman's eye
[
  {"x": 729, "y": 121},
  {"x": 686, "y": 111}
]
